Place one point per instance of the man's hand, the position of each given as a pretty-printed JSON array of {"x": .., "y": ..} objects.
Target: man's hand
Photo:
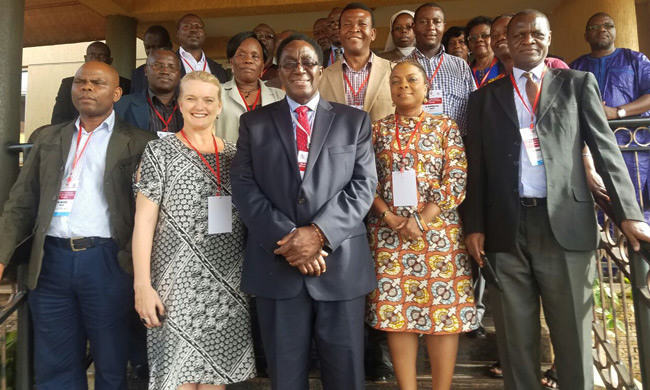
[
  {"x": 635, "y": 231},
  {"x": 610, "y": 112},
  {"x": 474, "y": 243},
  {"x": 314, "y": 267},
  {"x": 596, "y": 185},
  {"x": 300, "y": 246}
]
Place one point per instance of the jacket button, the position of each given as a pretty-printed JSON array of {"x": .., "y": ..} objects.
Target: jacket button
[
  {"x": 516, "y": 190},
  {"x": 43, "y": 230},
  {"x": 516, "y": 143},
  {"x": 53, "y": 197},
  {"x": 516, "y": 162},
  {"x": 301, "y": 200}
]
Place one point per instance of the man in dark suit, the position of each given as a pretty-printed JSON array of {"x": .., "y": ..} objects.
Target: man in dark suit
[
  {"x": 303, "y": 179},
  {"x": 156, "y": 108},
  {"x": 74, "y": 197},
  {"x": 529, "y": 206},
  {"x": 156, "y": 37},
  {"x": 190, "y": 32},
  {"x": 64, "y": 110},
  {"x": 335, "y": 51}
]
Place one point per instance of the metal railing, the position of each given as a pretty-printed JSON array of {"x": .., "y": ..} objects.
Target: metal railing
[{"x": 621, "y": 326}]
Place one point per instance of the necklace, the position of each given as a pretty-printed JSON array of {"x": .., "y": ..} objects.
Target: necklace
[{"x": 247, "y": 93}]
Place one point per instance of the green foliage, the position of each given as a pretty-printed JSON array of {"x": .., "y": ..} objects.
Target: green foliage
[{"x": 610, "y": 298}]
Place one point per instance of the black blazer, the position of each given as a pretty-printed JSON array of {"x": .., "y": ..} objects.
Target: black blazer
[
  {"x": 216, "y": 69},
  {"x": 134, "y": 110},
  {"x": 64, "y": 110},
  {"x": 139, "y": 81},
  {"x": 569, "y": 115}
]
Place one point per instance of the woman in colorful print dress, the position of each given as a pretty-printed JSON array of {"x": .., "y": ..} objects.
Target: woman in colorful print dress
[{"x": 423, "y": 270}]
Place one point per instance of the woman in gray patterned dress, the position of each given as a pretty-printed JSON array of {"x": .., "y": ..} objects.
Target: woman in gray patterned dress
[{"x": 187, "y": 280}]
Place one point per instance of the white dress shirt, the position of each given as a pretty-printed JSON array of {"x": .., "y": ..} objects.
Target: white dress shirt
[
  {"x": 532, "y": 179},
  {"x": 311, "y": 113},
  {"x": 193, "y": 63}
]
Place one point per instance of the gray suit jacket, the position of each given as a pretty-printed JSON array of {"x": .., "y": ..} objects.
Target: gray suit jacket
[
  {"x": 336, "y": 193},
  {"x": 569, "y": 115},
  {"x": 32, "y": 200}
]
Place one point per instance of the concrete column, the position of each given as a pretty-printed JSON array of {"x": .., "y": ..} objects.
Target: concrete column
[
  {"x": 569, "y": 19},
  {"x": 121, "y": 38},
  {"x": 642, "y": 18},
  {"x": 12, "y": 18}
]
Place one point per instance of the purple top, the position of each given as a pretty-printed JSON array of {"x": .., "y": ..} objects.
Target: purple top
[{"x": 623, "y": 76}]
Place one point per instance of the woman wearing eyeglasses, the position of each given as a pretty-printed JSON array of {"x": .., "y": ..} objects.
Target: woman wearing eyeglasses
[
  {"x": 401, "y": 40},
  {"x": 485, "y": 67},
  {"x": 245, "y": 91}
]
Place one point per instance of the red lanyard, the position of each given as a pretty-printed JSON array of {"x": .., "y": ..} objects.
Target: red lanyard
[
  {"x": 77, "y": 157},
  {"x": 415, "y": 131},
  {"x": 442, "y": 57},
  {"x": 264, "y": 72},
  {"x": 249, "y": 108},
  {"x": 216, "y": 173},
  {"x": 191, "y": 67},
  {"x": 535, "y": 103},
  {"x": 355, "y": 93},
  {"x": 482, "y": 83},
  {"x": 163, "y": 120}
]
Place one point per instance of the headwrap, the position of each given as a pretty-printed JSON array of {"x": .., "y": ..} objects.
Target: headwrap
[{"x": 390, "y": 44}]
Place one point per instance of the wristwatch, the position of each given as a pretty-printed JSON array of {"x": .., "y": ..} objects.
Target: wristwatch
[{"x": 620, "y": 112}]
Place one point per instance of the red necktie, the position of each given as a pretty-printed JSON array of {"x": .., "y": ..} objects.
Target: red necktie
[{"x": 302, "y": 136}]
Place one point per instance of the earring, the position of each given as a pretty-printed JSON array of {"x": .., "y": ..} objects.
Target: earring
[
  {"x": 393, "y": 104},
  {"x": 217, "y": 116}
]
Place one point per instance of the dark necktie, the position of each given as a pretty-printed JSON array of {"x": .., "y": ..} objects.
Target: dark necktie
[
  {"x": 337, "y": 54},
  {"x": 531, "y": 89}
]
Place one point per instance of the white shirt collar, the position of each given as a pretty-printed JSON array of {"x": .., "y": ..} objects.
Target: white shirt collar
[
  {"x": 536, "y": 71},
  {"x": 312, "y": 104},
  {"x": 189, "y": 56},
  {"x": 108, "y": 124}
]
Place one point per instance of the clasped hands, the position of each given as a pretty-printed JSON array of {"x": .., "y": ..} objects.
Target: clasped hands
[
  {"x": 405, "y": 227},
  {"x": 302, "y": 249}
]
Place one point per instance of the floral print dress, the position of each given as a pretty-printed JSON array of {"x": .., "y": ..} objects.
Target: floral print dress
[{"x": 424, "y": 286}]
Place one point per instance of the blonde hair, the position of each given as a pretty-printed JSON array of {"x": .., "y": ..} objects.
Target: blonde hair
[{"x": 200, "y": 75}]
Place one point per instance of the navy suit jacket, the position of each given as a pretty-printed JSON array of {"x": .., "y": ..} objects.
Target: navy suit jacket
[
  {"x": 336, "y": 193},
  {"x": 134, "y": 109},
  {"x": 139, "y": 81}
]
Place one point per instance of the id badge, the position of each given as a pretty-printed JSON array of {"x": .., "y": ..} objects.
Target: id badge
[
  {"x": 358, "y": 106},
  {"x": 163, "y": 134},
  {"x": 434, "y": 105},
  {"x": 405, "y": 191},
  {"x": 66, "y": 198},
  {"x": 531, "y": 144},
  {"x": 302, "y": 161},
  {"x": 219, "y": 214}
]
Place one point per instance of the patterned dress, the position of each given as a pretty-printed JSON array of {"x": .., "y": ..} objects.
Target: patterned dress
[
  {"x": 206, "y": 337},
  {"x": 424, "y": 286}
]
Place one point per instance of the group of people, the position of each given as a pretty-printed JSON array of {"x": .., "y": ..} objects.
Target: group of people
[{"x": 361, "y": 191}]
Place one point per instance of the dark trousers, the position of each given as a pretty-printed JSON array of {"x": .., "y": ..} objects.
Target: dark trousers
[
  {"x": 537, "y": 266},
  {"x": 288, "y": 327},
  {"x": 81, "y": 296}
]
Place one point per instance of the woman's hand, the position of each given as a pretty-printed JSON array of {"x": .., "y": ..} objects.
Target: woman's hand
[
  {"x": 148, "y": 305},
  {"x": 410, "y": 230},
  {"x": 394, "y": 221}
]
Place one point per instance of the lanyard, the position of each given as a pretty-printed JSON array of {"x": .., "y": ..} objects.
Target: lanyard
[
  {"x": 399, "y": 143},
  {"x": 216, "y": 174},
  {"x": 299, "y": 126},
  {"x": 356, "y": 93},
  {"x": 257, "y": 98},
  {"x": 191, "y": 67},
  {"x": 535, "y": 103},
  {"x": 482, "y": 83},
  {"x": 162, "y": 119},
  {"x": 77, "y": 157},
  {"x": 442, "y": 57},
  {"x": 264, "y": 72}
]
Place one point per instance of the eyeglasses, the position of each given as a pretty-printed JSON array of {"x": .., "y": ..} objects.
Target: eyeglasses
[
  {"x": 597, "y": 27},
  {"x": 293, "y": 65},
  {"x": 473, "y": 38},
  {"x": 265, "y": 36},
  {"x": 157, "y": 67}
]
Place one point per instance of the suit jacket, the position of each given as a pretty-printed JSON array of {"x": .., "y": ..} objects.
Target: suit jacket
[
  {"x": 234, "y": 106},
  {"x": 216, "y": 69},
  {"x": 139, "y": 82},
  {"x": 336, "y": 193},
  {"x": 32, "y": 200},
  {"x": 377, "y": 103},
  {"x": 64, "y": 110},
  {"x": 569, "y": 115},
  {"x": 394, "y": 55},
  {"x": 134, "y": 109}
]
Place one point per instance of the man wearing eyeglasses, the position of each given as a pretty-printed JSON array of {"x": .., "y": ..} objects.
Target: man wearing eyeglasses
[
  {"x": 190, "y": 32},
  {"x": 156, "y": 109},
  {"x": 267, "y": 36},
  {"x": 623, "y": 77}
]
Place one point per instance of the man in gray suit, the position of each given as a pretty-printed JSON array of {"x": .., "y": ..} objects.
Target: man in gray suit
[
  {"x": 529, "y": 206},
  {"x": 303, "y": 179}
]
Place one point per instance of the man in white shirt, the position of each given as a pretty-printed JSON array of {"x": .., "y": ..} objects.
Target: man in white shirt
[{"x": 190, "y": 32}]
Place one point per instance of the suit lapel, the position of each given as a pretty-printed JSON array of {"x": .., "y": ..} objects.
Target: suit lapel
[
  {"x": 375, "y": 82},
  {"x": 284, "y": 127},
  {"x": 322, "y": 125},
  {"x": 67, "y": 132},
  {"x": 550, "y": 89},
  {"x": 116, "y": 144},
  {"x": 505, "y": 95},
  {"x": 337, "y": 83},
  {"x": 233, "y": 92},
  {"x": 141, "y": 111}
]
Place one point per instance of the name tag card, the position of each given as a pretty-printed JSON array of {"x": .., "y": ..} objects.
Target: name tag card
[
  {"x": 219, "y": 214},
  {"x": 434, "y": 105},
  {"x": 163, "y": 134},
  {"x": 531, "y": 144},
  {"x": 405, "y": 191},
  {"x": 66, "y": 198},
  {"x": 358, "y": 106}
]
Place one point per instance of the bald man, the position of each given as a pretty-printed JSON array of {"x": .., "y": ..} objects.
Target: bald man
[
  {"x": 74, "y": 196},
  {"x": 64, "y": 110}
]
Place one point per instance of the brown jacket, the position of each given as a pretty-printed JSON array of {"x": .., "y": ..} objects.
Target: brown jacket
[{"x": 32, "y": 199}]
